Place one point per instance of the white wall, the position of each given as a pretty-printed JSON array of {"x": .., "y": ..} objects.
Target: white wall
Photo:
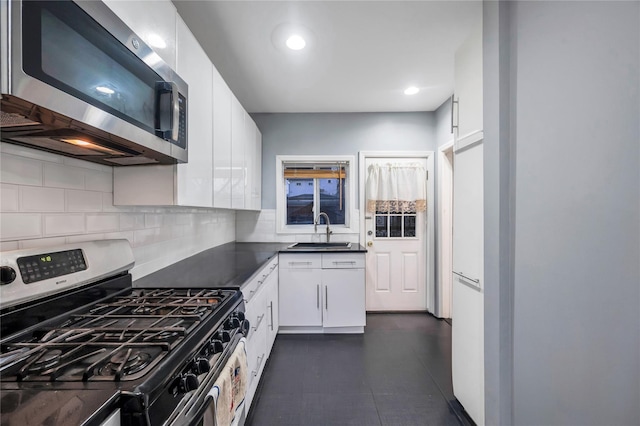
[
  {"x": 570, "y": 181},
  {"x": 322, "y": 134},
  {"x": 47, "y": 199}
]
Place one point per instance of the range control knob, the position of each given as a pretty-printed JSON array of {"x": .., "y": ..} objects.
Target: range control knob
[
  {"x": 223, "y": 336},
  {"x": 231, "y": 323},
  {"x": 7, "y": 275},
  {"x": 200, "y": 366},
  {"x": 239, "y": 315},
  {"x": 188, "y": 382},
  {"x": 215, "y": 347}
]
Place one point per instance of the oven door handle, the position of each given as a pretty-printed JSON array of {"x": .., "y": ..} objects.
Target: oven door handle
[{"x": 210, "y": 399}]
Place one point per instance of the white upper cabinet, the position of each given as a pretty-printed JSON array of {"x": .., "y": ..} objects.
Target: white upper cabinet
[
  {"x": 221, "y": 142},
  {"x": 468, "y": 90},
  {"x": 195, "y": 179},
  {"x": 154, "y": 21},
  {"x": 224, "y": 167},
  {"x": 253, "y": 164},
  {"x": 189, "y": 184},
  {"x": 256, "y": 192},
  {"x": 238, "y": 171}
]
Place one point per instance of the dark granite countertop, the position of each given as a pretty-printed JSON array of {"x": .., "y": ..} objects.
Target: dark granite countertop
[{"x": 228, "y": 265}]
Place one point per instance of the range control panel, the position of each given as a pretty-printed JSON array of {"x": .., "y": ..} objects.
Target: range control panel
[{"x": 45, "y": 266}]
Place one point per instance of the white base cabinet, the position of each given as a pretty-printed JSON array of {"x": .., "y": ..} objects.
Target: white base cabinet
[
  {"x": 261, "y": 312},
  {"x": 322, "y": 293}
]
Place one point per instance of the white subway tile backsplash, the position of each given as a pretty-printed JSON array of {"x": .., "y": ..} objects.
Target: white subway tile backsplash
[
  {"x": 84, "y": 237},
  {"x": 63, "y": 224},
  {"x": 131, "y": 221},
  {"x": 23, "y": 151},
  {"x": 102, "y": 222},
  {"x": 17, "y": 226},
  {"x": 9, "y": 198},
  {"x": 42, "y": 242},
  {"x": 63, "y": 176},
  {"x": 119, "y": 235},
  {"x": 41, "y": 199},
  {"x": 107, "y": 204},
  {"x": 144, "y": 237},
  {"x": 9, "y": 246},
  {"x": 84, "y": 201},
  {"x": 49, "y": 199},
  {"x": 20, "y": 170},
  {"x": 95, "y": 180},
  {"x": 153, "y": 220},
  {"x": 74, "y": 162}
]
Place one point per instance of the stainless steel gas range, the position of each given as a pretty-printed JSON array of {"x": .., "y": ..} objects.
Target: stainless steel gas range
[{"x": 80, "y": 346}]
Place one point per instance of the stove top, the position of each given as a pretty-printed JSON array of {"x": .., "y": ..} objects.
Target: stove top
[{"x": 116, "y": 341}]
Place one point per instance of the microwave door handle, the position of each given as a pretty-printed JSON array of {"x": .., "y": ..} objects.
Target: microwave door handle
[
  {"x": 175, "y": 122},
  {"x": 168, "y": 107}
]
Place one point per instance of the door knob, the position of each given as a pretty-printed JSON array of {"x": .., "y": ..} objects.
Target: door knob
[{"x": 370, "y": 243}]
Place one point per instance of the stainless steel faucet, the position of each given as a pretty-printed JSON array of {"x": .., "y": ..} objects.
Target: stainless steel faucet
[{"x": 326, "y": 218}]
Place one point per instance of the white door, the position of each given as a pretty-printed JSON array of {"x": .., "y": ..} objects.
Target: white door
[{"x": 396, "y": 255}]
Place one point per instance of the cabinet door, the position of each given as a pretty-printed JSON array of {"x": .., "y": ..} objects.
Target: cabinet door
[
  {"x": 257, "y": 170},
  {"x": 154, "y": 21},
  {"x": 195, "y": 178},
  {"x": 249, "y": 160},
  {"x": 468, "y": 87},
  {"x": 468, "y": 215},
  {"x": 300, "y": 297},
  {"x": 238, "y": 172},
  {"x": 343, "y": 297},
  {"x": 221, "y": 142},
  {"x": 273, "y": 321}
]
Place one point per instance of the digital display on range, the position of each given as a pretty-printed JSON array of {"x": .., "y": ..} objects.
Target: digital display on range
[{"x": 50, "y": 265}]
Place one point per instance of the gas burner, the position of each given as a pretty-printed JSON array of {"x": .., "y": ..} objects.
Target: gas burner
[
  {"x": 194, "y": 310},
  {"x": 125, "y": 362},
  {"x": 48, "y": 359}
]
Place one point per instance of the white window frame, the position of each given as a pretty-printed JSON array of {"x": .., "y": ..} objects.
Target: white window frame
[{"x": 351, "y": 214}]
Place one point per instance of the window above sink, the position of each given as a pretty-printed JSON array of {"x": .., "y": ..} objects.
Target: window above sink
[{"x": 310, "y": 184}]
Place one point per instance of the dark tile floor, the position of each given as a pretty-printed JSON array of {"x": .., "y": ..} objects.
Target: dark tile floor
[{"x": 397, "y": 373}]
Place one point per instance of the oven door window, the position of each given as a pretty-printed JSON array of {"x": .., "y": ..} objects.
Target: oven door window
[{"x": 67, "y": 49}]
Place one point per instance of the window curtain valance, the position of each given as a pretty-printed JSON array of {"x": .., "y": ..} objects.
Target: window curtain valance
[{"x": 396, "y": 188}]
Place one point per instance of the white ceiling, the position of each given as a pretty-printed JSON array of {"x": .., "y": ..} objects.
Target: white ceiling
[{"x": 361, "y": 56}]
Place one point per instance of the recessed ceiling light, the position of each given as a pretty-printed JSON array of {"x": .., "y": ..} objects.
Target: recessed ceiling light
[
  {"x": 295, "y": 42},
  {"x": 411, "y": 90}
]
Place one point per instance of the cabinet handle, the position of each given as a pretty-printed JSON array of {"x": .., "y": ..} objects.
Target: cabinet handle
[
  {"x": 299, "y": 263},
  {"x": 326, "y": 297},
  {"x": 453, "y": 101},
  {"x": 260, "y": 318},
  {"x": 344, "y": 262},
  {"x": 260, "y": 359},
  {"x": 271, "y": 315},
  {"x": 460, "y": 274},
  {"x": 318, "y": 296}
]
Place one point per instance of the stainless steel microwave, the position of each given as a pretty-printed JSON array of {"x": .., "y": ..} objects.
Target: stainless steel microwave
[{"x": 77, "y": 81}]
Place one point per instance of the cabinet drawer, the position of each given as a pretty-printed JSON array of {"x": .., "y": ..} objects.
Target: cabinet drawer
[
  {"x": 252, "y": 287},
  {"x": 342, "y": 260},
  {"x": 256, "y": 313},
  {"x": 300, "y": 261}
]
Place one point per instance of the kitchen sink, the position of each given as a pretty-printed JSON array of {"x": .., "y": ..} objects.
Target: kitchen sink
[{"x": 319, "y": 246}]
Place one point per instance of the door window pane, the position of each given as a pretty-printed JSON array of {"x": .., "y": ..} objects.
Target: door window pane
[
  {"x": 299, "y": 201},
  {"x": 332, "y": 200},
  {"x": 381, "y": 226},
  {"x": 395, "y": 226},
  {"x": 409, "y": 226}
]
